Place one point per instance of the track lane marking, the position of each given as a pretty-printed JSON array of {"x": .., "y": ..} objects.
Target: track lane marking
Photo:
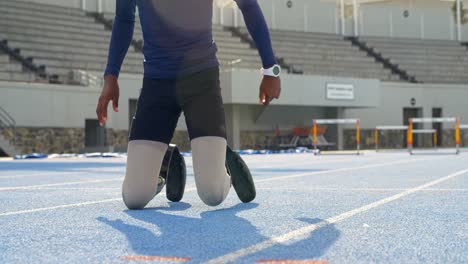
[
  {"x": 363, "y": 189},
  {"x": 291, "y": 261},
  {"x": 298, "y": 234},
  {"x": 261, "y": 180},
  {"x": 156, "y": 258},
  {"x": 55, "y": 173},
  {"x": 27, "y": 187},
  {"x": 306, "y": 162},
  {"x": 69, "y": 205},
  {"x": 59, "y": 207},
  {"x": 341, "y": 170},
  {"x": 192, "y": 189},
  {"x": 78, "y": 172}
]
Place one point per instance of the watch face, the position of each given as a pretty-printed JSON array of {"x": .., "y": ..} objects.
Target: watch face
[{"x": 276, "y": 70}]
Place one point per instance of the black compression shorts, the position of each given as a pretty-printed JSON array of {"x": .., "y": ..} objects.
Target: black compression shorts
[{"x": 161, "y": 102}]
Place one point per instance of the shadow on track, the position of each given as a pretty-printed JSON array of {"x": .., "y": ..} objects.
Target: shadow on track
[
  {"x": 311, "y": 248},
  {"x": 213, "y": 234}
]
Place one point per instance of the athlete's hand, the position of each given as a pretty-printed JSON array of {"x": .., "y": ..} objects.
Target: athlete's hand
[
  {"x": 110, "y": 92},
  {"x": 270, "y": 89}
]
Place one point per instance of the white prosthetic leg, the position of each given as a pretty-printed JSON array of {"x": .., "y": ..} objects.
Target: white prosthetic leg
[
  {"x": 209, "y": 158},
  {"x": 142, "y": 175}
]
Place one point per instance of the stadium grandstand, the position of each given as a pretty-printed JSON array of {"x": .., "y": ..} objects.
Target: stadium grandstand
[{"x": 397, "y": 59}]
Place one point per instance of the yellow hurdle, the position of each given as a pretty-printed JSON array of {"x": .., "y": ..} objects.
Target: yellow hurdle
[
  {"x": 358, "y": 135},
  {"x": 376, "y": 138},
  {"x": 457, "y": 135},
  {"x": 315, "y": 134},
  {"x": 409, "y": 136}
]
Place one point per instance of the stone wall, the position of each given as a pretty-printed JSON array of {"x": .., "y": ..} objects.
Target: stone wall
[
  {"x": 72, "y": 140},
  {"x": 118, "y": 139},
  {"x": 181, "y": 139},
  {"x": 46, "y": 140},
  {"x": 260, "y": 139}
]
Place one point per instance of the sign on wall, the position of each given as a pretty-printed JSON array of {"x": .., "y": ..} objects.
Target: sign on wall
[{"x": 336, "y": 91}]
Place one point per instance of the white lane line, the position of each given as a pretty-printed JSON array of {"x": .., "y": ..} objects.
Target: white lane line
[
  {"x": 14, "y": 188},
  {"x": 275, "y": 178},
  {"x": 70, "y": 205},
  {"x": 276, "y": 188},
  {"x": 340, "y": 170},
  {"x": 362, "y": 189},
  {"x": 38, "y": 174},
  {"x": 81, "y": 189},
  {"x": 276, "y": 164},
  {"x": 311, "y": 163},
  {"x": 59, "y": 207},
  {"x": 263, "y": 180},
  {"x": 300, "y": 233},
  {"x": 67, "y": 173},
  {"x": 88, "y": 171}
]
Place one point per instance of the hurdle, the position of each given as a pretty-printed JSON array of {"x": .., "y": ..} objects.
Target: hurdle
[
  {"x": 354, "y": 121},
  {"x": 428, "y": 131},
  {"x": 463, "y": 127},
  {"x": 382, "y": 128},
  {"x": 411, "y": 131}
]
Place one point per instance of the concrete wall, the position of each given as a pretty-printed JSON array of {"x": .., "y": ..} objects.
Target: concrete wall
[
  {"x": 241, "y": 87},
  {"x": 45, "y": 105},
  {"x": 396, "y": 96},
  {"x": 426, "y": 19}
]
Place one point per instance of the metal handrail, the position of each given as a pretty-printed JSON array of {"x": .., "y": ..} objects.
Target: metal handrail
[{"x": 6, "y": 120}]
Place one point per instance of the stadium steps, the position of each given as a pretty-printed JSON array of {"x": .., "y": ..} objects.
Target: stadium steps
[
  {"x": 63, "y": 56},
  {"x": 40, "y": 8},
  {"x": 325, "y": 54},
  {"x": 245, "y": 37},
  {"x": 232, "y": 51},
  {"x": 386, "y": 62},
  {"x": 64, "y": 50},
  {"x": 14, "y": 70},
  {"x": 18, "y": 16},
  {"x": 346, "y": 58},
  {"x": 63, "y": 39},
  {"x": 430, "y": 61},
  {"x": 55, "y": 28},
  {"x": 33, "y": 33},
  {"x": 40, "y": 39}
]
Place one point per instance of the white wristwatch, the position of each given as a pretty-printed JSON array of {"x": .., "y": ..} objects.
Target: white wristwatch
[{"x": 274, "y": 71}]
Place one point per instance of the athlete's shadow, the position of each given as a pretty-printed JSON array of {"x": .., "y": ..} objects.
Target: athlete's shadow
[
  {"x": 313, "y": 247},
  {"x": 214, "y": 233}
]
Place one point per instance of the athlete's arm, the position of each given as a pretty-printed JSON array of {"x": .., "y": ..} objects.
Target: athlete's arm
[
  {"x": 258, "y": 29},
  {"x": 122, "y": 34},
  {"x": 270, "y": 87}
]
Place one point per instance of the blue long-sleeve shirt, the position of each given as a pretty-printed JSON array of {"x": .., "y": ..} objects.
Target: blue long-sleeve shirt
[{"x": 177, "y": 35}]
